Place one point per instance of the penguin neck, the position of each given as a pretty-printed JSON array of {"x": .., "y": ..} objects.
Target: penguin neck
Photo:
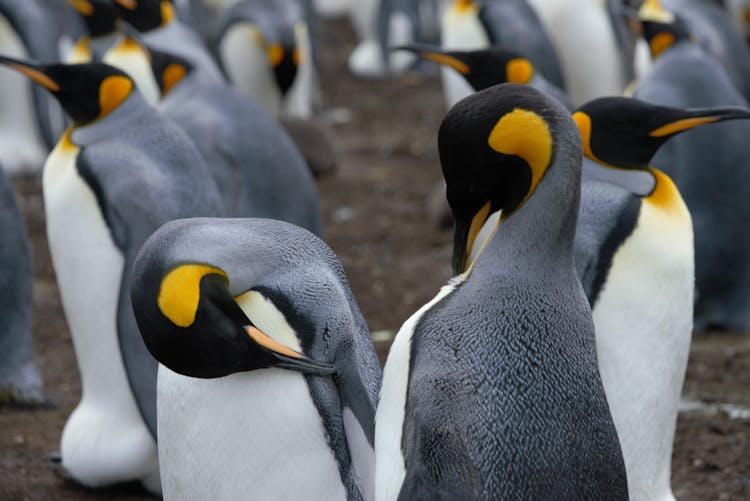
[
  {"x": 640, "y": 182},
  {"x": 111, "y": 125},
  {"x": 101, "y": 44},
  {"x": 540, "y": 234}
]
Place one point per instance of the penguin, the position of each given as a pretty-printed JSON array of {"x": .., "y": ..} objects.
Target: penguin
[
  {"x": 129, "y": 55},
  {"x": 479, "y": 68},
  {"x": 707, "y": 167},
  {"x": 634, "y": 256},
  {"x": 100, "y": 18},
  {"x": 115, "y": 176},
  {"x": 491, "y": 390},
  {"x": 268, "y": 379},
  {"x": 587, "y": 43},
  {"x": 30, "y": 122},
  {"x": 511, "y": 24},
  {"x": 20, "y": 381},
  {"x": 265, "y": 49},
  {"x": 159, "y": 27},
  {"x": 257, "y": 167}
]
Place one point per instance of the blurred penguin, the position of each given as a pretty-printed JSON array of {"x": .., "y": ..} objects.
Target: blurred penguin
[{"x": 100, "y": 19}]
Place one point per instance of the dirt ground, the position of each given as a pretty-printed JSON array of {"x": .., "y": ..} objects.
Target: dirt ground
[{"x": 396, "y": 260}]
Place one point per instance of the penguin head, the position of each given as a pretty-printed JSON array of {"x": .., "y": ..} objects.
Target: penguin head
[
  {"x": 482, "y": 68},
  {"x": 100, "y": 16},
  {"x": 192, "y": 324},
  {"x": 626, "y": 132},
  {"x": 284, "y": 59},
  {"x": 146, "y": 15},
  {"x": 87, "y": 92},
  {"x": 169, "y": 69},
  {"x": 495, "y": 147},
  {"x": 661, "y": 28}
]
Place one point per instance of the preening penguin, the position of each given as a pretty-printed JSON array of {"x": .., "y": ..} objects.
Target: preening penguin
[
  {"x": 634, "y": 254},
  {"x": 708, "y": 167},
  {"x": 160, "y": 28},
  {"x": 491, "y": 390},
  {"x": 269, "y": 379},
  {"x": 119, "y": 173},
  {"x": 30, "y": 122},
  {"x": 480, "y": 68},
  {"x": 265, "y": 49},
  {"x": 257, "y": 167},
  {"x": 100, "y": 19},
  {"x": 20, "y": 382}
]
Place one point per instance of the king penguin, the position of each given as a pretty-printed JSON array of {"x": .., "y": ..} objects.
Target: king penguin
[
  {"x": 100, "y": 19},
  {"x": 257, "y": 167},
  {"x": 710, "y": 167},
  {"x": 20, "y": 382},
  {"x": 268, "y": 378},
  {"x": 265, "y": 49},
  {"x": 115, "y": 176},
  {"x": 491, "y": 390},
  {"x": 159, "y": 27},
  {"x": 511, "y": 24},
  {"x": 30, "y": 122},
  {"x": 634, "y": 255}
]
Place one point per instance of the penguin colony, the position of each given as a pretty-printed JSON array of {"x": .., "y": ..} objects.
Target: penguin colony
[{"x": 221, "y": 351}]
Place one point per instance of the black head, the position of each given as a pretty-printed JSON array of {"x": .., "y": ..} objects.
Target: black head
[
  {"x": 146, "y": 15},
  {"x": 482, "y": 68},
  {"x": 100, "y": 16},
  {"x": 495, "y": 146},
  {"x": 284, "y": 60},
  {"x": 627, "y": 132},
  {"x": 191, "y": 323},
  {"x": 86, "y": 92},
  {"x": 661, "y": 28},
  {"x": 169, "y": 69}
]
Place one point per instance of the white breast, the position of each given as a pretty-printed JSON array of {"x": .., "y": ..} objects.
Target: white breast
[
  {"x": 461, "y": 29},
  {"x": 105, "y": 439},
  {"x": 135, "y": 63},
  {"x": 643, "y": 321},
  {"x": 390, "y": 469},
  {"x": 21, "y": 147}
]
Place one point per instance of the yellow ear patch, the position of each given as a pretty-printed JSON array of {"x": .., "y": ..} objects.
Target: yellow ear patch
[
  {"x": 275, "y": 54},
  {"x": 179, "y": 293},
  {"x": 83, "y": 7},
  {"x": 446, "y": 60},
  {"x": 112, "y": 92},
  {"x": 270, "y": 343},
  {"x": 167, "y": 13},
  {"x": 519, "y": 71},
  {"x": 653, "y": 10},
  {"x": 36, "y": 76},
  {"x": 681, "y": 125},
  {"x": 172, "y": 75},
  {"x": 583, "y": 121},
  {"x": 525, "y": 134},
  {"x": 660, "y": 42}
]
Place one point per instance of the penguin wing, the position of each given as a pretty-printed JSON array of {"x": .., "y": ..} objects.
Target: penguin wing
[
  {"x": 138, "y": 188},
  {"x": 607, "y": 216},
  {"x": 514, "y": 25}
]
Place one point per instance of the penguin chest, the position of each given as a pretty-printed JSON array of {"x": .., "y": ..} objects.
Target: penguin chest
[
  {"x": 133, "y": 61},
  {"x": 253, "y": 435},
  {"x": 461, "y": 29},
  {"x": 247, "y": 66}
]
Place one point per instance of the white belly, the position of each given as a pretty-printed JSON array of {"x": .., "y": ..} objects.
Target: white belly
[
  {"x": 643, "y": 321},
  {"x": 461, "y": 29},
  {"x": 105, "y": 439},
  {"x": 252, "y": 435},
  {"x": 586, "y": 46},
  {"x": 21, "y": 146},
  {"x": 248, "y": 68},
  {"x": 390, "y": 469}
]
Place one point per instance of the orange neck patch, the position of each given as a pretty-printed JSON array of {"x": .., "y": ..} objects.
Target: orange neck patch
[
  {"x": 665, "y": 196},
  {"x": 113, "y": 91},
  {"x": 661, "y": 42},
  {"x": 172, "y": 76}
]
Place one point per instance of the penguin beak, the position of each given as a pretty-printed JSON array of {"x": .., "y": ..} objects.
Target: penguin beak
[
  {"x": 435, "y": 54},
  {"x": 127, "y": 4},
  {"x": 695, "y": 118},
  {"x": 83, "y": 7},
  {"x": 34, "y": 72},
  {"x": 465, "y": 237},
  {"x": 286, "y": 357},
  {"x": 284, "y": 61}
]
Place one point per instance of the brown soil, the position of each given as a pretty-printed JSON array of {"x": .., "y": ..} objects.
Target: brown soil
[{"x": 396, "y": 260}]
